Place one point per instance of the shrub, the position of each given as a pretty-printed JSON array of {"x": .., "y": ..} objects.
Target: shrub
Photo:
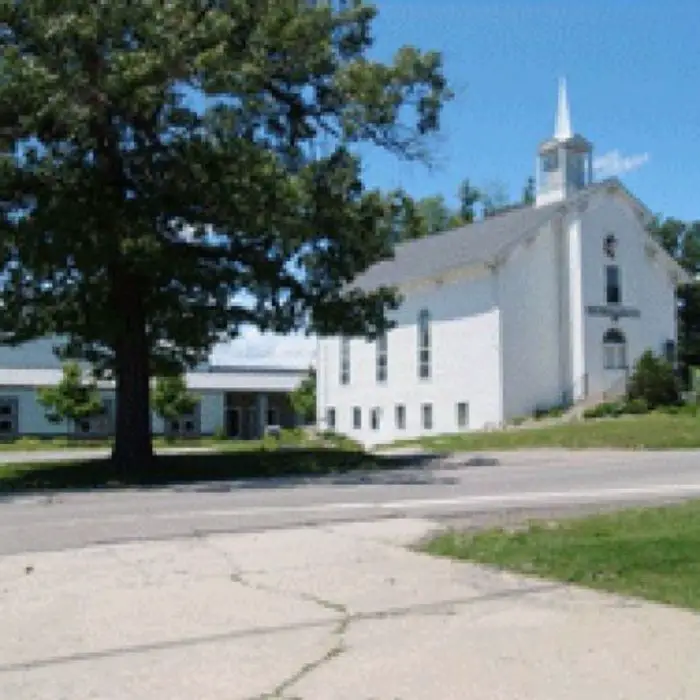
[
  {"x": 604, "y": 410},
  {"x": 635, "y": 407},
  {"x": 548, "y": 412},
  {"x": 654, "y": 381},
  {"x": 220, "y": 433}
]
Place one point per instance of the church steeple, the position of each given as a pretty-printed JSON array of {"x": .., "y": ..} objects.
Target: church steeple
[
  {"x": 562, "y": 130},
  {"x": 565, "y": 162}
]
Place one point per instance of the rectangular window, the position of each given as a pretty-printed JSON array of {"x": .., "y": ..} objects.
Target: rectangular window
[
  {"x": 400, "y": 415},
  {"x": 330, "y": 418},
  {"x": 187, "y": 425},
  {"x": 463, "y": 415},
  {"x": 424, "y": 345},
  {"x": 9, "y": 411},
  {"x": 375, "y": 418},
  {"x": 357, "y": 418},
  {"x": 613, "y": 288},
  {"x": 345, "y": 360},
  {"x": 272, "y": 416},
  {"x": 427, "y": 415},
  {"x": 669, "y": 352},
  {"x": 382, "y": 358}
]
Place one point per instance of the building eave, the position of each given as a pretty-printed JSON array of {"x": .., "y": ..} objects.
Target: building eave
[{"x": 272, "y": 380}]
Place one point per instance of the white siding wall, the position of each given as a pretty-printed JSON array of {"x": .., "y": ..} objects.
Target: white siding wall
[
  {"x": 465, "y": 366},
  {"x": 529, "y": 290},
  {"x": 646, "y": 286}
]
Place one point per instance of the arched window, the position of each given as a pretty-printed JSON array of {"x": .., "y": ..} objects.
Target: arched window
[
  {"x": 424, "y": 345},
  {"x": 382, "y": 358},
  {"x": 614, "y": 349},
  {"x": 344, "y": 360}
]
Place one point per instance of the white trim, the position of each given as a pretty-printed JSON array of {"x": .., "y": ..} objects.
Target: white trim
[{"x": 196, "y": 381}]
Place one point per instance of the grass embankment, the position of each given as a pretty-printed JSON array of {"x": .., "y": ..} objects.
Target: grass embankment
[
  {"x": 651, "y": 431},
  {"x": 649, "y": 553}
]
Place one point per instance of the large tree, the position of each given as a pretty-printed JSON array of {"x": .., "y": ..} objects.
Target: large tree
[{"x": 172, "y": 171}]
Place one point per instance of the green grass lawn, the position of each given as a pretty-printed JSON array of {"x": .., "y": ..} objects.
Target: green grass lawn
[
  {"x": 651, "y": 431},
  {"x": 37, "y": 444},
  {"x": 650, "y": 553},
  {"x": 295, "y": 437}
]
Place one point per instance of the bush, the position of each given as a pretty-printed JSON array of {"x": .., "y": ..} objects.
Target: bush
[
  {"x": 636, "y": 407},
  {"x": 654, "y": 381},
  {"x": 604, "y": 410},
  {"x": 548, "y": 412}
]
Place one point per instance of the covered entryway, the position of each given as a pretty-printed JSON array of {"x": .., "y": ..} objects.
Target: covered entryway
[{"x": 247, "y": 415}]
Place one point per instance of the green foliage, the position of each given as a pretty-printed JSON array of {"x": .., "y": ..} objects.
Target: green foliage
[
  {"x": 469, "y": 197},
  {"x": 160, "y": 166},
  {"x": 73, "y": 399},
  {"x": 303, "y": 398},
  {"x": 435, "y": 214},
  {"x": 607, "y": 409},
  {"x": 431, "y": 215},
  {"x": 682, "y": 241},
  {"x": 637, "y": 406},
  {"x": 529, "y": 191},
  {"x": 171, "y": 399},
  {"x": 541, "y": 412},
  {"x": 654, "y": 382}
]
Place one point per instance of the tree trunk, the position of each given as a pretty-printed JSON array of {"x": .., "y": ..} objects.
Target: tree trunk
[{"x": 133, "y": 449}]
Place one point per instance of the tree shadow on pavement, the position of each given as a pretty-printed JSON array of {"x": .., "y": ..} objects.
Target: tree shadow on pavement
[{"x": 226, "y": 471}]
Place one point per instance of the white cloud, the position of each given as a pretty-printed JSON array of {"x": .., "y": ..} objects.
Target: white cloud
[
  {"x": 613, "y": 163},
  {"x": 255, "y": 348}
]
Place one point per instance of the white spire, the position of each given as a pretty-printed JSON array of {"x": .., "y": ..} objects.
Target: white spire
[{"x": 563, "y": 131}]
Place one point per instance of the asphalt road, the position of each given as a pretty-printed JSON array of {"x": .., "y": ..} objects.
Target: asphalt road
[{"x": 467, "y": 490}]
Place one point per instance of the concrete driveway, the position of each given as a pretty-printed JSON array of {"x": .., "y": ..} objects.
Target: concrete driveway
[{"x": 333, "y": 612}]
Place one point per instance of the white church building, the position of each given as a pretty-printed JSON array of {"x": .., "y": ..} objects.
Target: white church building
[{"x": 539, "y": 306}]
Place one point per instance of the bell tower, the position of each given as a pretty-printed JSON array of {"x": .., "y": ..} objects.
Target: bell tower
[{"x": 565, "y": 161}]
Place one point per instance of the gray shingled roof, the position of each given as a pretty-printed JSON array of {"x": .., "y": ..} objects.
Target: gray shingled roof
[{"x": 479, "y": 242}]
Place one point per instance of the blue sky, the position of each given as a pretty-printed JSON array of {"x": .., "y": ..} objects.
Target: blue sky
[{"x": 633, "y": 73}]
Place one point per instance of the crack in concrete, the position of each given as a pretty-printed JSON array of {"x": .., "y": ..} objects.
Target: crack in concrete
[
  {"x": 334, "y": 652},
  {"x": 160, "y": 646},
  {"x": 341, "y": 627},
  {"x": 439, "y": 608}
]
